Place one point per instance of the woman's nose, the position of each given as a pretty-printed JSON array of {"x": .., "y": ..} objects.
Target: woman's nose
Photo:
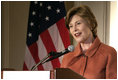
[{"x": 75, "y": 29}]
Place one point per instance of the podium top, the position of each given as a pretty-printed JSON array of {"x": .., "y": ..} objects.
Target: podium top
[{"x": 65, "y": 73}]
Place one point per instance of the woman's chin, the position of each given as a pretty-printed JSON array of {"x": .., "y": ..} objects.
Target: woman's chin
[{"x": 79, "y": 40}]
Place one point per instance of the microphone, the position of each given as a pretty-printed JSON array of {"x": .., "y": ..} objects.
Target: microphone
[
  {"x": 69, "y": 49},
  {"x": 54, "y": 55}
]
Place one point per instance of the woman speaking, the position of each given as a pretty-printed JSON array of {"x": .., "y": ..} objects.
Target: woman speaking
[{"x": 91, "y": 58}]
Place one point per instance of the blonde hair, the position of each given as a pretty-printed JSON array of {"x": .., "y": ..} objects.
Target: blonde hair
[{"x": 86, "y": 13}]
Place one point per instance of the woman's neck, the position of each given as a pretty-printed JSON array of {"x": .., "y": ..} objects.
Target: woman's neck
[{"x": 86, "y": 45}]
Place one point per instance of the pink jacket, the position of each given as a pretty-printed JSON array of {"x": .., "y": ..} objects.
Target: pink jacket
[{"x": 99, "y": 62}]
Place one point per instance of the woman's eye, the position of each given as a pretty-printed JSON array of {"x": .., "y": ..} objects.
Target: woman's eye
[
  {"x": 78, "y": 23},
  {"x": 70, "y": 26}
]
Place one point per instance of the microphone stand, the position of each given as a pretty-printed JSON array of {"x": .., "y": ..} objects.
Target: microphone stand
[
  {"x": 35, "y": 66},
  {"x": 54, "y": 56},
  {"x": 42, "y": 61}
]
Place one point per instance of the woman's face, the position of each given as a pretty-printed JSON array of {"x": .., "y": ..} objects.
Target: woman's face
[{"x": 80, "y": 29}]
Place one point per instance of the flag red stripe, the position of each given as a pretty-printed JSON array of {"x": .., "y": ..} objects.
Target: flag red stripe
[
  {"x": 47, "y": 41},
  {"x": 63, "y": 32},
  {"x": 25, "y": 67},
  {"x": 34, "y": 52}
]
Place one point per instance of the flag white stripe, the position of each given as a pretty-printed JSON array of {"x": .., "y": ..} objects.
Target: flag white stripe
[
  {"x": 42, "y": 52},
  {"x": 57, "y": 41},
  {"x": 29, "y": 61}
]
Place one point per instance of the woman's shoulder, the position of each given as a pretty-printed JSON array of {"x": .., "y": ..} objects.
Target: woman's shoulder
[
  {"x": 66, "y": 59},
  {"x": 107, "y": 50},
  {"x": 69, "y": 55}
]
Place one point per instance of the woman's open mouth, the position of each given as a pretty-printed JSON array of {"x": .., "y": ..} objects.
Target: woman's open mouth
[{"x": 77, "y": 34}]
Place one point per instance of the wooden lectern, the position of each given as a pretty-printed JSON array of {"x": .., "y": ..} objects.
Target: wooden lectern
[{"x": 64, "y": 73}]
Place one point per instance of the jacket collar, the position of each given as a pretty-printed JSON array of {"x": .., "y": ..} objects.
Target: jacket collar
[{"x": 91, "y": 51}]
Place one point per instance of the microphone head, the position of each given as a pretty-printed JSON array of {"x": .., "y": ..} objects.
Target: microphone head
[{"x": 71, "y": 48}]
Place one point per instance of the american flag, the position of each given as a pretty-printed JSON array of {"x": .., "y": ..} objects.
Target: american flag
[{"x": 46, "y": 32}]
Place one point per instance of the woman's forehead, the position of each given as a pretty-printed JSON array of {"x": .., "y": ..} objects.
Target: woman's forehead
[{"x": 76, "y": 18}]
